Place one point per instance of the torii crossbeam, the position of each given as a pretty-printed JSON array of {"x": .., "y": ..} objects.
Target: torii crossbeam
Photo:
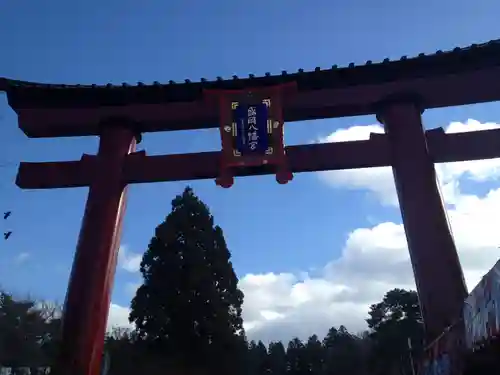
[{"x": 397, "y": 92}]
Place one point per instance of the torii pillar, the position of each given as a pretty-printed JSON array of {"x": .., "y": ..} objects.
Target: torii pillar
[
  {"x": 436, "y": 266},
  {"x": 91, "y": 281}
]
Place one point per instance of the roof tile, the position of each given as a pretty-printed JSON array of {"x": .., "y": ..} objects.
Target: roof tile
[{"x": 487, "y": 53}]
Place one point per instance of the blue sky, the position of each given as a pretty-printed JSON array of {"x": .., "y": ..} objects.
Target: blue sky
[{"x": 294, "y": 228}]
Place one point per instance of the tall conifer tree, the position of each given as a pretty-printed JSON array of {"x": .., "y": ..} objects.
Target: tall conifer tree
[{"x": 189, "y": 306}]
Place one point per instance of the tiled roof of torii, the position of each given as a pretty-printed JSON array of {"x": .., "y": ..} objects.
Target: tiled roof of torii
[{"x": 474, "y": 57}]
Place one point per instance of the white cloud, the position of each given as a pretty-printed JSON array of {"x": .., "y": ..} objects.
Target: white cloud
[
  {"x": 374, "y": 259},
  {"x": 380, "y": 182},
  {"x": 477, "y": 170},
  {"x": 128, "y": 260},
  {"x": 377, "y": 181},
  {"x": 118, "y": 317}
]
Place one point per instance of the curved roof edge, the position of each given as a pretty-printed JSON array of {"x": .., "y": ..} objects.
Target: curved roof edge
[{"x": 23, "y": 94}]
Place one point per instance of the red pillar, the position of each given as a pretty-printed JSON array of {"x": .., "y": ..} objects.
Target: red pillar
[
  {"x": 88, "y": 296},
  {"x": 436, "y": 267}
]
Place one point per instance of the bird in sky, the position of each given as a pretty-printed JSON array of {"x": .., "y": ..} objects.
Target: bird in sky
[
  {"x": 6, "y": 235},
  {"x": 7, "y": 214}
]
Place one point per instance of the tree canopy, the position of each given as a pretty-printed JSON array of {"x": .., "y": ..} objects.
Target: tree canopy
[
  {"x": 396, "y": 330},
  {"x": 28, "y": 334},
  {"x": 338, "y": 352},
  {"x": 189, "y": 305},
  {"x": 187, "y": 316}
]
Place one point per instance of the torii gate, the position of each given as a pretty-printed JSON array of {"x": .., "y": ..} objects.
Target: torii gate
[{"x": 397, "y": 92}]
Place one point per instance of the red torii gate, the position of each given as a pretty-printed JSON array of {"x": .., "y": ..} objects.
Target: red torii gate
[{"x": 397, "y": 92}]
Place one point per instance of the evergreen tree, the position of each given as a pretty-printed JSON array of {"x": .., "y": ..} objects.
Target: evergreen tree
[
  {"x": 188, "y": 309},
  {"x": 277, "y": 358},
  {"x": 297, "y": 358},
  {"x": 343, "y": 352},
  {"x": 257, "y": 358},
  {"x": 315, "y": 355},
  {"x": 394, "y": 321}
]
